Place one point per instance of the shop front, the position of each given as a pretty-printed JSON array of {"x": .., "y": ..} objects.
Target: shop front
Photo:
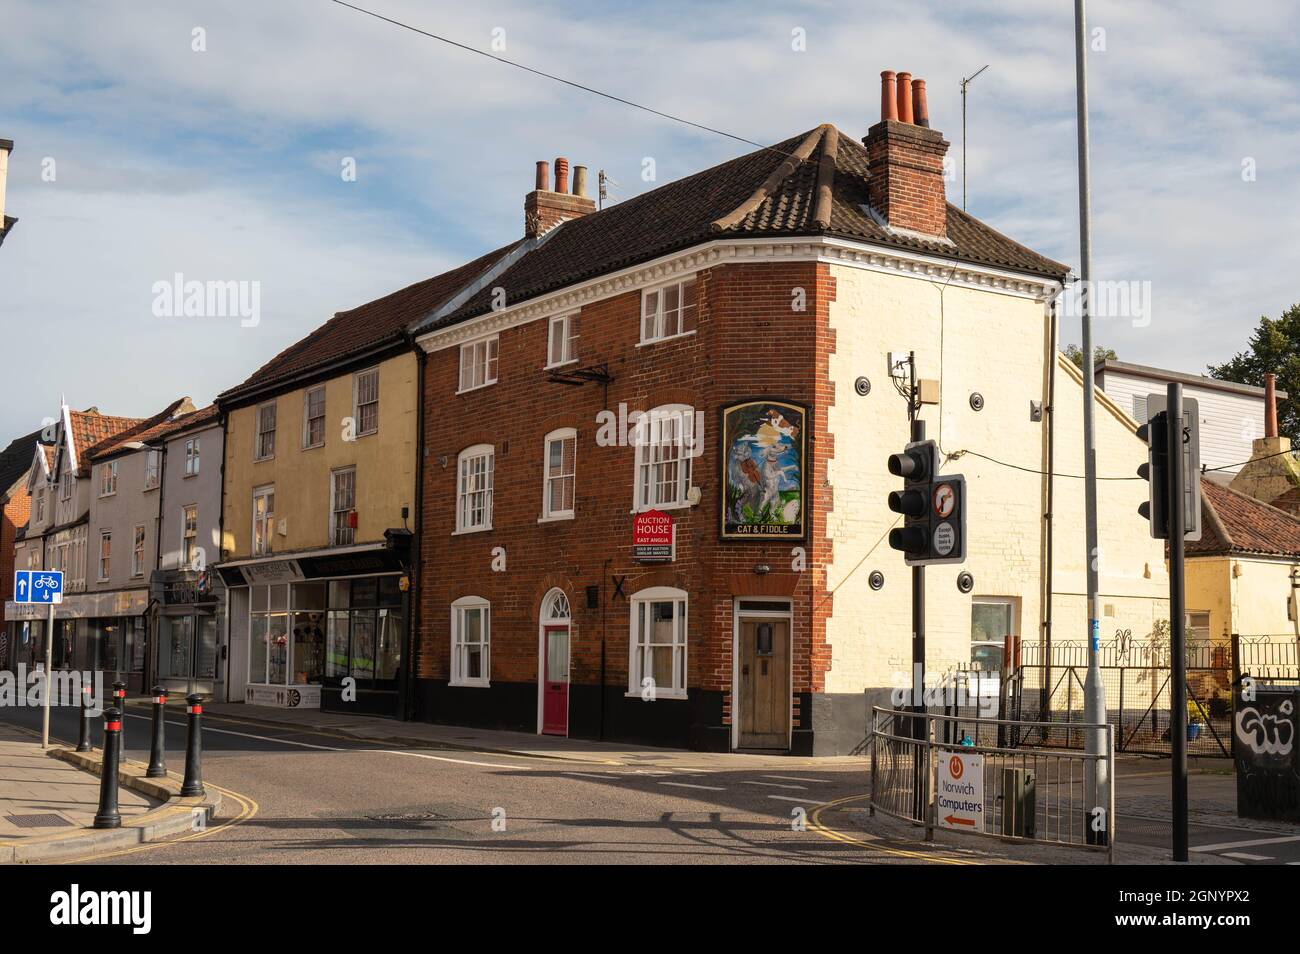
[
  {"x": 189, "y": 655},
  {"x": 98, "y": 632},
  {"x": 320, "y": 631}
]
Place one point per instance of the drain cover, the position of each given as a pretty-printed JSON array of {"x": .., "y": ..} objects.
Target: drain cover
[{"x": 49, "y": 820}]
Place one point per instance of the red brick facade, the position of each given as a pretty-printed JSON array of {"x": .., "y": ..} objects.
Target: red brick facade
[
  {"x": 749, "y": 342},
  {"x": 905, "y": 184}
]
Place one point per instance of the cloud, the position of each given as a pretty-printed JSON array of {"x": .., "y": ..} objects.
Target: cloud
[{"x": 224, "y": 164}]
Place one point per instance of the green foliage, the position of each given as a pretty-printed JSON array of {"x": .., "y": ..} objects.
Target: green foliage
[
  {"x": 1273, "y": 347},
  {"x": 1099, "y": 354}
]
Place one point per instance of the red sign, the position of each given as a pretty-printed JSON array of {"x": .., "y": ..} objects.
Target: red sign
[{"x": 652, "y": 536}]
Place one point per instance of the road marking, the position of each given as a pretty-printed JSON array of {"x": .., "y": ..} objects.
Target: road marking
[
  {"x": 796, "y": 778},
  {"x": 797, "y": 788},
  {"x": 814, "y": 822},
  {"x": 1244, "y": 856},
  {"x": 707, "y": 788},
  {"x": 801, "y": 801},
  {"x": 442, "y": 758},
  {"x": 1259, "y": 842},
  {"x": 586, "y": 775}
]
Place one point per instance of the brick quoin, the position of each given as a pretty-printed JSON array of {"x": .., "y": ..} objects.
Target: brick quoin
[{"x": 748, "y": 343}]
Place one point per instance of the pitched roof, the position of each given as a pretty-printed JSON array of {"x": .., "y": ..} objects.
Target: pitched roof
[
  {"x": 140, "y": 431},
  {"x": 91, "y": 430},
  {"x": 183, "y": 422},
  {"x": 374, "y": 325},
  {"x": 1232, "y": 522},
  {"x": 811, "y": 184},
  {"x": 16, "y": 460}
]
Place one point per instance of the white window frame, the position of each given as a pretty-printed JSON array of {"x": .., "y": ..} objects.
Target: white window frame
[
  {"x": 105, "y": 561},
  {"x": 652, "y": 311},
  {"x": 458, "y": 645},
  {"x": 268, "y": 519},
  {"x": 307, "y": 417},
  {"x": 193, "y": 452},
  {"x": 491, "y": 350},
  {"x": 640, "y": 603},
  {"x": 1011, "y": 604},
  {"x": 651, "y": 457},
  {"x": 187, "y": 560},
  {"x": 357, "y": 403},
  {"x": 560, "y": 435},
  {"x": 152, "y": 469},
  {"x": 334, "y": 508},
  {"x": 139, "y": 542},
  {"x": 108, "y": 478},
  {"x": 465, "y": 457},
  {"x": 65, "y": 485},
  {"x": 40, "y": 506},
  {"x": 568, "y": 353},
  {"x": 259, "y": 432}
]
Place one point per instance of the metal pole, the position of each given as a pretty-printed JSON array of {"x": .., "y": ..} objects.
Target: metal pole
[
  {"x": 49, "y": 667},
  {"x": 1177, "y": 621},
  {"x": 1094, "y": 711}
]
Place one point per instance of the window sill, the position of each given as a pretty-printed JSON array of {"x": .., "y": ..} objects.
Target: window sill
[
  {"x": 477, "y": 387},
  {"x": 313, "y": 446},
  {"x": 556, "y": 518},
  {"x": 655, "y": 341},
  {"x": 659, "y": 694},
  {"x": 189, "y": 476},
  {"x": 467, "y": 532},
  {"x": 559, "y": 364},
  {"x": 644, "y": 508},
  {"x": 357, "y": 437},
  {"x": 469, "y": 684},
  {"x": 148, "y": 489}
]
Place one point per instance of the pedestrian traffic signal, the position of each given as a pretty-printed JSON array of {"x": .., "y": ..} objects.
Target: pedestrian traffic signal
[
  {"x": 933, "y": 508},
  {"x": 1156, "y": 472}
]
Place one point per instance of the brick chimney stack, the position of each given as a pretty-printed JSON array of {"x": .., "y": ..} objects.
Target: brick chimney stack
[
  {"x": 545, "y": 208},
  {"x": 905, "y": 159}
]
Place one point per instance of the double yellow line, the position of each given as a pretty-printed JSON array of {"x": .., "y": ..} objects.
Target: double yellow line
[{"x": 931, "y": 857}]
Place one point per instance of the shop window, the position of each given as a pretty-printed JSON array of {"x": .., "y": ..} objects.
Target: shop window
[
  {"x": 665, "y": 439},
  {"x": 658, "y": 643},
  {"x": 107, "y": 635},
  {"x": 992, "y": 620},
  {"x": 558, "y": 492},
  {"x": 365, "y": 632},
  {"x": 471, "y": 639},
  {"x": 474, "y": 489}
]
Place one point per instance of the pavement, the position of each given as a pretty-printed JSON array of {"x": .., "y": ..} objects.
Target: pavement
[{"x": 304, "y": 787}]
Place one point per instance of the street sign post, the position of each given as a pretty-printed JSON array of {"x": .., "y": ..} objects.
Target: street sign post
[
  {"x": 959, "y": 800},
  {"x": 42, "y": 586}
]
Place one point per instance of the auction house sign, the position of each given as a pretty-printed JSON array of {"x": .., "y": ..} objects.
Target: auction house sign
[{"x": 652, "y": 536}]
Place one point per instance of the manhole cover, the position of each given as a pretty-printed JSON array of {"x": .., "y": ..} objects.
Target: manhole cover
[{"x": 48, "y": 820}]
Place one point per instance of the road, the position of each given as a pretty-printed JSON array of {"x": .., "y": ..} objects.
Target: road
[{"x": 314, "y": 796}]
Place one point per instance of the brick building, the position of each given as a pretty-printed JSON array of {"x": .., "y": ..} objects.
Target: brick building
[{"x": 750, "y": 311}]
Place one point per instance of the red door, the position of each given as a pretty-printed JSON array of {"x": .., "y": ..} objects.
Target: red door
[{"x": 555, "y": 680}]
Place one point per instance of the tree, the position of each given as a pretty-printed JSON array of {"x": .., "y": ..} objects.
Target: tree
[
  {"x": 1099, "y": 354},
  {"x": 1273, "y": 347}
]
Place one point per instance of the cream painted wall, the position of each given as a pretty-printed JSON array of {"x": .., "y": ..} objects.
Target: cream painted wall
[
  {"x": 1253, "y": 602},
  {"x": 972, "y": 341},
  {"x": 384, "y": 461}
]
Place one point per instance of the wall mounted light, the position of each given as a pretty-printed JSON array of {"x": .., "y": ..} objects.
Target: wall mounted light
[{"x": 762, "y": 569}]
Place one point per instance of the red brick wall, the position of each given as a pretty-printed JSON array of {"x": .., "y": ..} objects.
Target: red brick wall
[
  {"x": 906, "y": 176},
  {"x": 15, "y": 515},
  {"x": 749, "y": 343}
]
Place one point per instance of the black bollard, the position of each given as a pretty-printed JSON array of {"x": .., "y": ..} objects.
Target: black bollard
[
  {"x": 157, "y": 764},
  {"x": 83, "y": 740},
  {"x": 108, "y": 816},
  {"x": 119, "y": 700},
  {"x": 193, "y": 748}
]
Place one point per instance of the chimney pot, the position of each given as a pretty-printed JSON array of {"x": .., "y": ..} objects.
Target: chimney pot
[
  {"x": 1270, "y": 405},
  {"x": 905, "y": 97},
  {"x": 920, "y": 108},
  {"x": 888, "y": 96},
  {"x": 543, "y": 174},
  {"x": 561, "y": 175},
  {"x": 580, "y": 181}
]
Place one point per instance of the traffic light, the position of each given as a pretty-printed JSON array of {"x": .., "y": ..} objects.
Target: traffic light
[
  {"x": 933, "y": 508},
  {"x": 1156, "y": 472}
]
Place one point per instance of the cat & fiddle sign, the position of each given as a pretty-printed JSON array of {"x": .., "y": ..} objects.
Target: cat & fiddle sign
[{"x": 764, "y": 470}]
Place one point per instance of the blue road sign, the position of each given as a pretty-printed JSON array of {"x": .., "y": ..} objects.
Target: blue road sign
[{"x": 38, "y": 586}]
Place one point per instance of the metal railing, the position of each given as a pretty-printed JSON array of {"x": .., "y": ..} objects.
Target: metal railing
[{"x": 1043, "y": 796}]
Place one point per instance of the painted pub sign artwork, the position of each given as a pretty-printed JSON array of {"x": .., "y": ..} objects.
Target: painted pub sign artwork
[{"x": 764, "y": 470}]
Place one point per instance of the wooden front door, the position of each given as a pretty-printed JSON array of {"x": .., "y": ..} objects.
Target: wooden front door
[
  {"x": 764, "y": 684},
  {"x": 555, "y": 680}
]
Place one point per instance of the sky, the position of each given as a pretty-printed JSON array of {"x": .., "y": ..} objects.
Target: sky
[{"x": 213, "y": 141}]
